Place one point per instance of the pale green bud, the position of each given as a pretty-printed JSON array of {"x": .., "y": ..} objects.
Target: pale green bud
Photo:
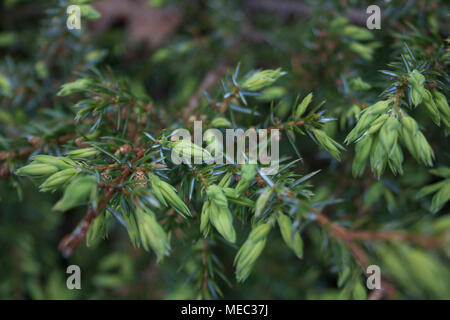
[
  {"x": 5, "y": 86},
  {"x": 226, "y": 180},
  {"x": 222, "y": 219},
  {"x": 363, "y": 124},
  {"x": 357, "y": 84},
  {"x": 441, "y": 198},
  {"x": 443, "y": 172},
  {"x": 83, "y": 153},
  {"x": 155, "y": 182},
  {"x": 36, "y": 170},
  {"x": 214, "y": 144},
  {"x": 416, "y": 80},
  {"x": 407, "y": 138},
  {"x": 297, "y": 245},
  {"x": 378, "y": 158},
  {"x": 76, "y": 86},
  {"x": 282, "y": 109},
  {"x": 378, "y": 108},
  {"x": 418, "y": 146},
  {"x": 187, "y": 149},
  {"x": 250, "y": 251},
  {"x": 95, "y": 56},
  {"x": 441, "y": 102},
  {"x": 367, "y": 120},
  {"x": 302, "y": 106},
  {"x": 215, "y": 193},
  {"x": 259, "y": 232},
  {"x": 356, "y": 33},
  {"x": 97, "y": 229},
  {"x": 261, "y": 79},
  {"x": 242, "y": 201},
  {"x": 243, "y": 267},
  {"x": 231, "y": 193},
  {"x": 262, "y": 201},
  {"x": 248, "y": 258},
  {"x": 338, "y": 23},
  {"x": 59, "y": 162},
  {"x": 389, "y": 133},
  {"x": 446, "y": 125},
  {"x": 152, "y": 234},
  {"x": 168, "y": 194},
  {"x": 432, "y": 108},
  {"x": 424, "y": 149},
  {"x": 432, "y": 188},
  {"x": 293, "y": 241},
  {"x": 410, "y": 124},
  {"x": 58, "y": 179},
  {"x": 378, "y": 123},
  {"x": 133, "y": 227},
  {"x": 272, "y": 93},
  {"x": 327, "y": 143},
  {"x": 362, "y": 149},
  {"x": 220, "y": 123},
  {"x": 362, "y": 50},
  {"x": 204, "y": 217},
  {"x": 241, "y": 186},
  {"x": 396, "y": 159},
  {"x": 248, "y": 172},
  {"x": 416, "y": 96},
  {"x": 285, "y": 225},
  {"x": 78, "y": 191}
]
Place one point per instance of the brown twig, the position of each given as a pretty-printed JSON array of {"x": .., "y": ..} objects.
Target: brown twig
[
  {"x": 287, "y": 125},
  {"x": 349, "y": 237},
  {"x": 71, "y": 241},
  {"x": 341, "y": 233}
]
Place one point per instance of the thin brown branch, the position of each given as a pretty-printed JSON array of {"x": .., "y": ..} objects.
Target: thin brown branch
[
  {"x": 287, "y": 125},
  {"x": 71, "y": 241},
  {"x": 349, "y": 237}
]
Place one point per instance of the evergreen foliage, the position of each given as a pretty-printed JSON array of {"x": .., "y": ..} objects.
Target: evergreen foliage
[{"x": 87, "y": 121}]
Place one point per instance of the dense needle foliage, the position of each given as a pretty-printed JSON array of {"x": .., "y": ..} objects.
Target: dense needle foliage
[{"x": 87, "y": 120}]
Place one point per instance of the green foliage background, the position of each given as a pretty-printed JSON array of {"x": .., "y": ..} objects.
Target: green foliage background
[{"x": 39, "y": 55}]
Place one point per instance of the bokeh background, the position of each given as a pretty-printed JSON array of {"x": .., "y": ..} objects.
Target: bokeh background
[{"x": 172, "y": 51}]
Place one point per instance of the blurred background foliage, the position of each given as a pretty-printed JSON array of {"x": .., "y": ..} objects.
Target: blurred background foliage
[{"x": 171, "y": 51}]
